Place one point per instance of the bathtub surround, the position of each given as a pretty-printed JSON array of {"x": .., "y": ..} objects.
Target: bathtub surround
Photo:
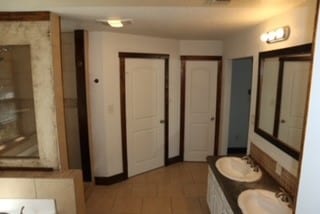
[
  {"x": 42, "y": 32},
  {"x": 66, "y": 188},
  {"x": 47, "y": 176}
]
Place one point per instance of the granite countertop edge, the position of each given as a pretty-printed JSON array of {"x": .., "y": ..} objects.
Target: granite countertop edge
[{"x": 232, "y": 189}]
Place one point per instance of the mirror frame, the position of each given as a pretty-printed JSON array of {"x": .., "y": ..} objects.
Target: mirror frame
[{"x": 301, "y": 49}]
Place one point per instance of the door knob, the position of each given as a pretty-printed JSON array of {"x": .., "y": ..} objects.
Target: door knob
[
  {"x": 162, "y": 121},
  {"x": 212, "y": 118},
  {"x": 282, "y": 121}
]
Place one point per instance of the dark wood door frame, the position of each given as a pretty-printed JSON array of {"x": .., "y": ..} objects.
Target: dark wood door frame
[
  {"x": 123, "y": 56},
  {"x": 183, "y": 95},
  {"x": 80, "y": 60}
]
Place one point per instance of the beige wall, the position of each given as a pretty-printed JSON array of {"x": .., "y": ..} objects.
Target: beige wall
[
  {"x": 105, "y": 96},
  {"x": 201, "y": 47},
  {"x": 247, "y": 43}
]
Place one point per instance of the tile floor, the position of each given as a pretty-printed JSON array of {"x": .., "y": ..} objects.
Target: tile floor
[{"x": 176, "y": 189}]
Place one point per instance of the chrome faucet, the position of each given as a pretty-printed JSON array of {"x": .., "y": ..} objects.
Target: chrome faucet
[
  {"x": 285, "y": 197},
  {"x": 251, "y": 163},
  {"x": 248, "y": 159},
  {"x": 21, "y": 210}
]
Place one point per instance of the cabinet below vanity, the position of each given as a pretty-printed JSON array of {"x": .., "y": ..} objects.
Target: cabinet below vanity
[
  {"x": 216, "y": 199},
  {"x": 222, "y": 193}
]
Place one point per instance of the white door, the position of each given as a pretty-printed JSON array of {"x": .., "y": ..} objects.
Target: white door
[
  {"x": 144, "y": 111},
  {"x": 293, "y": 102},
  {"x": 201, "y": 90}
]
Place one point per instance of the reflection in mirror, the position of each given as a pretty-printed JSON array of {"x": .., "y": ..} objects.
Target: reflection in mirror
[
  {"x": 268, "y": 94},
  {"x": 18, "y": 136},
  {"x": 296, "y": 73},
  {"x": 282, "y": 97}
]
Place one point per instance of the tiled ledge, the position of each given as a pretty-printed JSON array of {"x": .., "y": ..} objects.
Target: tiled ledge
[
  {"x": 66, "y": 187},
  {"x": 40, "y": 174}
]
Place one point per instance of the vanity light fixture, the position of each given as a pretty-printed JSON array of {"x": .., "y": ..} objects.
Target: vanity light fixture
[
  {"x": 115, "y": 23},
  {"x": 277, "y": 35}
]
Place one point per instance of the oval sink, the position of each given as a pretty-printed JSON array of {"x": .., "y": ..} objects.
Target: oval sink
[
  {"x": 261, "y": 201},
  {"x": 237, "y": 169}
]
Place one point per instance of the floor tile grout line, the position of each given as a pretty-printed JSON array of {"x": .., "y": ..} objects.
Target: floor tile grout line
[{"x": 190, "y": 172}]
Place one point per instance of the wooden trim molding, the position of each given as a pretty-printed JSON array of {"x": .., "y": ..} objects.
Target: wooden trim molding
[
  {"x": 123, "y": 56},
  {"x": 278, "y": 100},
  {"x": 182, "y": 106},
  {"x": 201, "y": 58},
  {"x": 25, "y": 16},
  {"x": 143, "y": 55},
  {"x": 218, "y": 108},
  {"x": 79, "y": 42},
  {"x": 110, "y": 180},
  {"x": 12, "y": 168},
  {"x": 183, "y": 95},
  {"x": 58, "y": 89},
  {"x": 286, "y": 54},
  {"x": 301, "y": 49},
  {"x": 174, "y": 160},
  {"x": 123, "y": 116}
]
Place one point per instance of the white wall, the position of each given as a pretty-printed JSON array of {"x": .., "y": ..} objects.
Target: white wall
[
  {"x": 201, "y": 47},
  {"x": 247, "y": 43},
  {"x": 309, "y": 191},
  {"x": 105, "y": 96}
]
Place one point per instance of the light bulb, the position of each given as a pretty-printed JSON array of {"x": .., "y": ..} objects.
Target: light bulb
[
  {"x": 280, "y": 33},
  {"x": 264, "y": 37},
  {"x": 272, "y": 36}
]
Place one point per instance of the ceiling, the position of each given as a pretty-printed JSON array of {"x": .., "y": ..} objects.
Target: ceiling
[{"x": 181, "y": 19}]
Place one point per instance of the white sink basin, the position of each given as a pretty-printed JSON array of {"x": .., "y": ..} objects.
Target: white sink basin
[
  {"x": 262, "y": 202},
  {"x": 237, "y": 169}
]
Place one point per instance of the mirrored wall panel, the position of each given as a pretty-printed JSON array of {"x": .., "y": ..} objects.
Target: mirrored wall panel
[
  {"x": 283, "y": 88},
  {"x": 18, "y": 135}
]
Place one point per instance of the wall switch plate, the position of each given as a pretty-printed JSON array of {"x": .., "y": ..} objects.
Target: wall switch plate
[{"x": 278, "y": 169}]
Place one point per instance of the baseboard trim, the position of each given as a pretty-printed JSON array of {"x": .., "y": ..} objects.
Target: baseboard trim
[
  {"x": 13, "y": 168},
  {"x": 240, "y": 150},
  {"x": 174, "y": 160},
  {"x": 123, "y": 176},
  {"x": 110, "y": 180}
]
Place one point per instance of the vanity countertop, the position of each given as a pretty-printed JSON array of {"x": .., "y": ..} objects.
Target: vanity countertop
[{"x": 232, "y": 189}]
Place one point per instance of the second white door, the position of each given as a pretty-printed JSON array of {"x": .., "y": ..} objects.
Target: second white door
[
  {"x": 201, "y": 90},
  {"x": 293, "y": 102},
  {"x": 145, "y": 114}
]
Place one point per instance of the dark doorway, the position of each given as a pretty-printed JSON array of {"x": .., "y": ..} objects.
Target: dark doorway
[{"x": 240, "y": 105}]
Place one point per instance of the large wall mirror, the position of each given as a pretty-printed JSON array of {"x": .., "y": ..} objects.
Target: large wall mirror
[
  {"x": 18, "y": 135},
  {"x": 283, "y": 87}
]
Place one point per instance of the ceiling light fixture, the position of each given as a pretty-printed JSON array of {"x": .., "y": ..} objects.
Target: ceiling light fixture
[
  {"x": 277, "y": 35},
  {"x": 116, "y": 23}
]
